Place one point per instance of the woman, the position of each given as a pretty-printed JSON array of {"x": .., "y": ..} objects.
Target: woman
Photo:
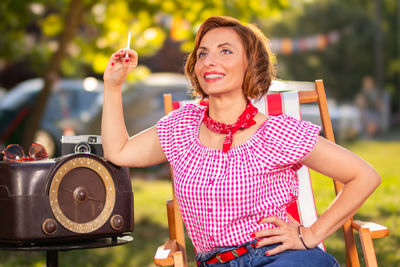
[{"x": 234, "y": 168}]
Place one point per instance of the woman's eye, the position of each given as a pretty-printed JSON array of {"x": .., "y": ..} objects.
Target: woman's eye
[
  {"x": 226, "y": 51},
  {"x": 201, "y": 54}
]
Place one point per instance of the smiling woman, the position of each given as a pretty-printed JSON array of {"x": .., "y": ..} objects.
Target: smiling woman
[{"x": 235, "y": 169}]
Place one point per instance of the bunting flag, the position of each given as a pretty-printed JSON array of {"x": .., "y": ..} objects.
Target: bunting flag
[
  {"x": 288, "y": 46},
  {"x": 179, "y": 28}
]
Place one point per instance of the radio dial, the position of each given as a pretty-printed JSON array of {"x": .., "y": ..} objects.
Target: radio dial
[{"x": 82, "y": 194}]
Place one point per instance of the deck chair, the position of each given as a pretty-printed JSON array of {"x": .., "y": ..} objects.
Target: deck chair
[{"x": 284, "y": 97}]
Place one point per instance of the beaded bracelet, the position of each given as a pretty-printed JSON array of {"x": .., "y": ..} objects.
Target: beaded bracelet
[{"x": 301, "y": 237}]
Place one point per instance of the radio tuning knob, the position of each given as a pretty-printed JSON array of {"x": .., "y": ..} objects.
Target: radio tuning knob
[
  {"x": 117, "y": 222},
  {"x": 49, "y": 226},
  {"x": 80, "y": 194}
]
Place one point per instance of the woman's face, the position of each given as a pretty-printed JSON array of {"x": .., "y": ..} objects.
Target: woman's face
[{"x": 221, "y": 62}]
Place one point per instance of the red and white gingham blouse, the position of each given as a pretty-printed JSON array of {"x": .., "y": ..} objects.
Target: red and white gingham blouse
[{"x": 222, "y": 195}]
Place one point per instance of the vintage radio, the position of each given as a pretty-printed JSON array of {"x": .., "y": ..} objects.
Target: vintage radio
[{"x": 73, "y": 197}]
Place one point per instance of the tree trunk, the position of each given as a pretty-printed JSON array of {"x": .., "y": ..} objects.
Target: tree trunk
[{"x": 72, "y": 21}]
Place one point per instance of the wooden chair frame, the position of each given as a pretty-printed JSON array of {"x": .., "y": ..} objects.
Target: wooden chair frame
[{"x": 173, "y": 252}]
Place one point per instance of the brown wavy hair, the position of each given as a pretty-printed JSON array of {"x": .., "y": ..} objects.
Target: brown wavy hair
[{"x": 260, "y": 70}]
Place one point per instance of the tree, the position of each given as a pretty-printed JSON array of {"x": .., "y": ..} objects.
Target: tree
[
  {"x": 72, "y": 18},
  {"x": 342, "y": 65},
  {"x": 75, "y": 38}
]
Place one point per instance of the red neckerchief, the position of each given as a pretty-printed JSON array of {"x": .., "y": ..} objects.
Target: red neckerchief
[{"x": 245, "y": 121}]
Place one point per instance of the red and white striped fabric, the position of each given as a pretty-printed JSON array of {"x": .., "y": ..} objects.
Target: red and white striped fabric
[{"x": 286, "y": 103}]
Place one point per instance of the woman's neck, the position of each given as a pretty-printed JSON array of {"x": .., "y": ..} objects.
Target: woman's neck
[{"x": 226, "y": 109}]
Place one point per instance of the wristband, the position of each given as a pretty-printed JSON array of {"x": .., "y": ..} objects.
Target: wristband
[{"x": 301, "y": 237}]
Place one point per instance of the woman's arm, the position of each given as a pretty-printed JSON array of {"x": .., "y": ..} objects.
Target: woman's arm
[
  {"x": 359, "y": 180},
  {"x": 143, "y": 149}
]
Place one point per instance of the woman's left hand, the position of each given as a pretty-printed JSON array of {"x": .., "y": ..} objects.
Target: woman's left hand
[{"x": 285, "y": 233}]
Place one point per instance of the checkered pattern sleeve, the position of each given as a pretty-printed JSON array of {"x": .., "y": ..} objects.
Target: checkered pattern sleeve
[
  {"x": 288, "y": 141},
  {"x": 176, "y": 131}
]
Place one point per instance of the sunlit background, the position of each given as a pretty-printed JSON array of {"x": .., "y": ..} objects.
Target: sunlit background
[{"x": 59, "y": 49}]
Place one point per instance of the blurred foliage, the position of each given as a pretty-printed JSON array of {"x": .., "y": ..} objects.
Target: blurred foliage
[
  {"x": 31, "y": 28},
  {"x": 381, "y": 207},
  {"x": 341, "y": 65}
]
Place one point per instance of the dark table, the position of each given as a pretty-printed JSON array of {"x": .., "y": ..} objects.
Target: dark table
[{"x": 52, "y": 249}]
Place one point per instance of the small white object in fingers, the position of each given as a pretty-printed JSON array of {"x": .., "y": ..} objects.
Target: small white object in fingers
[{"x": 128, "y": 45}]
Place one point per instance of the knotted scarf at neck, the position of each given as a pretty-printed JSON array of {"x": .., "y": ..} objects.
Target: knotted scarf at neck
[{"x": 245, "y": 120}]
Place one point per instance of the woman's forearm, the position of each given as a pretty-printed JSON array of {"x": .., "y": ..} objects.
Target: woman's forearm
[
  {"x": 359, "y": 180},
  {"x": 348, "y": 201}
]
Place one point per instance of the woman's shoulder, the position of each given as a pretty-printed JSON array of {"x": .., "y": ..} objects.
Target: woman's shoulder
[
  {"x": 285, "y": 141},
  {"x": 285, "y": 130},
  {"x": 183, "y": 116},
  {"x": 286, "y": 122},
  {"x": 178, "y": 129},
  {"x": 271, "y": 123},
  {"x": 187, "y": 112}
]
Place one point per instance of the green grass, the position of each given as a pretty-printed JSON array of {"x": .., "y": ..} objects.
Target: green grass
[
  {"x": 151, "y": 222},
  {"x": 381, "y": 207}
]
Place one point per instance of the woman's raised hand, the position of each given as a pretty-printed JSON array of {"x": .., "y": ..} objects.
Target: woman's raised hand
[{"x": 120, "y": 64}]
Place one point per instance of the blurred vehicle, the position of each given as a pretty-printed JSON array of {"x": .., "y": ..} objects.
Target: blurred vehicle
[
  {"x": 72, "y": 104},
  {"x": 143, "y": 100},
  {"x": 143, "y": 105},
  {"x": 345, "y": 116},
  {"x": 3, "y": 92}
]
